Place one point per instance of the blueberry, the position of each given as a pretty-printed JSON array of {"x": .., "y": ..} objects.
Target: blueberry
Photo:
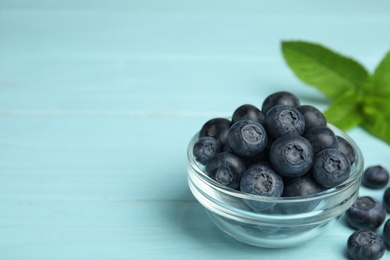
[
  {"x": 321, "y": 137},
  {"x": 291, "y": 155},
  {"x": 205, "y": 148},
  {"x": 259, "y": 158},
  {"x": 281, "y": 120},
  {"x": 386, "y": 233},
  {"x": 346, "y": 148},
  {"x": 313, "y": 117},
  {"x": 386, "y": 199},
  {"x": 375, "y": 177},
  {"x": 330, "y": 168},
  {"x": 301, "y": 186},
  {"x": 246, "y": 160},
  {"x": 226, "y": 168},
  {"x": 279, "y": 98},
  {"x": 261, "y": 179},
  {"x": 365, "y": 244},
  {"x": 366, "y": 213},
  {"x": 247, "y": 138},
  {"x": 217, "y": 128},
  {"x": 249, "y": 112}
]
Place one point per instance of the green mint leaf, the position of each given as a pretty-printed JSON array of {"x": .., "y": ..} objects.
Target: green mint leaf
[
  {"x": 374, "y": 105},
  {"x": 376, "y": 102},
  {"x": 357, "y": 97},
  {"x": 344, "y": 111},
  {"x": 379, "y": 82},
  {"x": 377, "y": 125},
  {"x": 376, "y": 110},
  {"x": 328, "y": 71}
]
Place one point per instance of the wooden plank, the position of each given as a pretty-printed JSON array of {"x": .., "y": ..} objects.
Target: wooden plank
[{"x": 98, "y": 100}]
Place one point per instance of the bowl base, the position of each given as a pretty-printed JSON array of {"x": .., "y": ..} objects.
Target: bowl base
[{"x": 270, "y": 237}]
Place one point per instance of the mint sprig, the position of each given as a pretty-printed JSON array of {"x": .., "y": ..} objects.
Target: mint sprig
[{"x": 357, "y": 97}]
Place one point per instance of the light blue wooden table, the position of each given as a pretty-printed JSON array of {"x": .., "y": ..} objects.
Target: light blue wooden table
[{"x": 98, "y": 100}]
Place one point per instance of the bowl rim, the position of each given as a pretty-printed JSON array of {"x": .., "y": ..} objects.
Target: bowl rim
[{"x": 356, "y": 172}]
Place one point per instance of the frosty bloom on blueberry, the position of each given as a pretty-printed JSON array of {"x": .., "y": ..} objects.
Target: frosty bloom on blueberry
[
  {"x": 217, "y": 128},
  {"x": 260, "y": 179},
  {"x": 280, "y": 98},
  {"x": 291, "y": 155},
  {"x": 321, "y": 137},
  {"x": 365, "y": 244},
  {"x": 281, "y": 120},
  {"x": 331, "y": 167},
  {"x": 346, "y": 149},
  {"x": 249, "y": 112},
  {"x": 247, "y": 138},
  {"x": 226, "y": 168},
  {"x": 313, "y": 117},
  {"x": 366, "y": 213},
  {"x": 205, "y": 148},
  {"x": 375, "y": 177}
]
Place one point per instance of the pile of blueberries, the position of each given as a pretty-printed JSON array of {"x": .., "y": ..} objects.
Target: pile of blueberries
[
  {"x": 285, "y": 149},
  {"x": 289, "y": 144}
]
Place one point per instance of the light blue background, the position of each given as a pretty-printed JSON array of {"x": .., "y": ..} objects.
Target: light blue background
[{"x": 98, "y": 100}]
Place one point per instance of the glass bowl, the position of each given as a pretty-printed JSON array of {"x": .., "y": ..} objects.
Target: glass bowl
[{"x": 270, "y": 226}]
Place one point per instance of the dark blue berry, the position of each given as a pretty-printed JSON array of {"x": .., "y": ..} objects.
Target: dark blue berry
[
  {"x": 217, "y": 128},
  {"x": 301, "y": 186},
  {"x": 247, "y": 138},
  {"x": 260, "y": 158},
  {"x": 330, "y": 168},
  {"x": 281, "y": 120},
  {"x": 298, "y": 187},
  {"x": 279, "y": 98},
  {"x": 366, "y": 213},
  {"x": 386, "y": 199},
  {"x": 205, "y": 148},
  {"x": 346, "y": 148},
  {"x": 364, "y": 245},
  {"x": 313, "y": 117},
  {"x": 261, "y": 179},
  {"x": 226, "y": 168},
  {"x": 375, "y": 177},
  {"x": 386, "y": 233},
  {"x": 248, "y": 112},
  {"x": 291, "y": 155},
  {"x": 321, "y": 137}
]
